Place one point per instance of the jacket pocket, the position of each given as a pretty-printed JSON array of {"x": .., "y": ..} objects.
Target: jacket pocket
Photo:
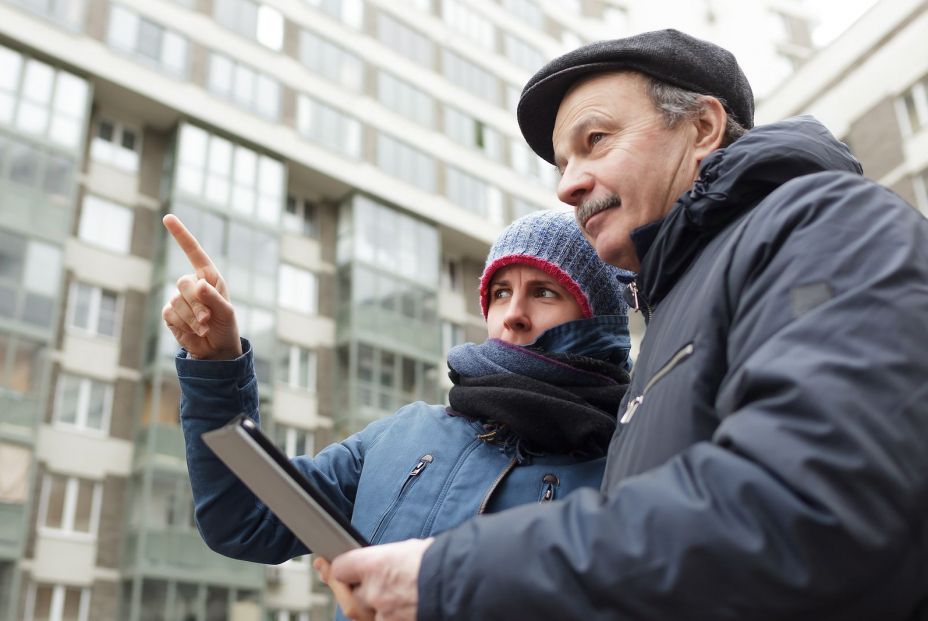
[
  {"x": 678, "y": 358},
  {"x": 411, "y": 477}
]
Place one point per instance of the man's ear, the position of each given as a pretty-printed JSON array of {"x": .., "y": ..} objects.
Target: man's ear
[{"x": 710, "y": 127}]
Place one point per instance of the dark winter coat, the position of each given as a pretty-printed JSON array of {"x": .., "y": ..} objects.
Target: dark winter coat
[{"x": 772, "y": 461}]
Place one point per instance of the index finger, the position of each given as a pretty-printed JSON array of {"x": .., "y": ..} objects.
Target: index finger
[{"x": 188, "y": 243}]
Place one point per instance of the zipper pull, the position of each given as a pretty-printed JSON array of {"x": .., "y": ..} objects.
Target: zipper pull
[
  {"x": 551, "y": 481},
  {"x": 633, "y": 287},
  {"x": 424, "y": 461},
  {"x": 631, "y": 409}
]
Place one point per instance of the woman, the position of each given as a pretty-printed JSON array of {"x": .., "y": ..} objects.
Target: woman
[{"x": 531, "y": 412}]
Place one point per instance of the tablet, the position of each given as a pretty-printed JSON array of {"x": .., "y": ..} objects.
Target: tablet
[{"x": 267, "y": 472}]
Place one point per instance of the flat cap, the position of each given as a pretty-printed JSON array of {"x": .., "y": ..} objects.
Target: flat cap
[{"x": 667, "y": 55}]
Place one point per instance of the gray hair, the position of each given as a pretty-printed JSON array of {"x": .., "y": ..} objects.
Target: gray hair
[{"x": 677, "y": 104}]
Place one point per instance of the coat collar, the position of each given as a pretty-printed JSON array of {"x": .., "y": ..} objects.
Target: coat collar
[{"x": 731, "y": 182}]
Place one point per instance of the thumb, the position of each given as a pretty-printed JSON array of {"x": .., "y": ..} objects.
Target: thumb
[
  {"x": 350, "y": 566},
  {"x": 220, "y": 308}
]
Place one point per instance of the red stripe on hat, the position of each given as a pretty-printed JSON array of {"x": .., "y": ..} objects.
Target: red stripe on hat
[{"x": 547, "y": 267}]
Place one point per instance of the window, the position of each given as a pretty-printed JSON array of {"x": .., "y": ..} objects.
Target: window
[
  {"x": 40, "y": 101},
  {"x": 328, "y": 127},
  {"x": 293, "y": 441},
  {"x": 912, "y": 109},
  {"x": 287, "y": 615},
  {"x": 30, "y": 277},
  {"x": 350, "y": 12},
  {"x": 301, "y": 216},
  {"x": 170, "y": 505},
  {"x": 387, "y": 380},
  {"x": 70, "y": 504},
  {"x": 106, "y": 224},
  {"x": 405, "y": 99},
  {"x": 256, "y": 21},
  {"x": 297, "y": 289},
  {"x": 470, "y": 77},
  {"x": 68, "y": 13},
  {"x": 244, "y": 86},
  {"x": 37, "y": 168},
  {"x": 93, "y": 310},
  {"x": 330, "y": 61},
  {"x": 527, "y": 163},
  {"x": 117, "y": 145},
  {"x": 228, "y": 175},
  {"x": 523, "y": 54},
  {"x": 405, "y": 162},
  {"x": 48, "y": 602},
  {"x": 452, "y": 335},
  {"x": 921, "y": 191},
  {"x": 468, "y": 22},
  {"x": 147, "y": 41},
  {"x": 405, "y": 41},
  {"x": 522, "y": 208},
  {"x": 473, "y": 133},
  {"x": 22, "y": 363},
  {"x": 474, "y": 195},
  {"x": 257, "y": 325},
  {"x": 528, "y": 12},
  {"x": 83, "y": 403},
  {"x": 251, "y": 262},
  {"x": 393, "y": 242},
  {"x": 14, "y": 473},
  {"x": 298, "y": 368},
  {"x": 451, "y": 274}
]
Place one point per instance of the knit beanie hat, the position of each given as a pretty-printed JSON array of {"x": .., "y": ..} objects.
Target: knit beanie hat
[{"x": 552, "y": 242}]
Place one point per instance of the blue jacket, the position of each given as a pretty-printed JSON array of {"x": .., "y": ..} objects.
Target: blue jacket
[
  {"x": 413, "y": 474},
  {"x": 771, "y": 460}
]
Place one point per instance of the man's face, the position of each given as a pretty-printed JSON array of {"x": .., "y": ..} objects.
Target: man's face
[{"x": 621, "y": 166}]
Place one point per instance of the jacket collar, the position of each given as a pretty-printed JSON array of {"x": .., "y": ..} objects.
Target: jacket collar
[{"x": 731, "y": 182}]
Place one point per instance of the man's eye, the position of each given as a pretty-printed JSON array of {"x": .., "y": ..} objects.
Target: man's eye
[{"x": 596, "y": 137}]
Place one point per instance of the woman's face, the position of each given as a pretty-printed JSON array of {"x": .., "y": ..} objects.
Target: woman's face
[{"x": 524, "y": 302}]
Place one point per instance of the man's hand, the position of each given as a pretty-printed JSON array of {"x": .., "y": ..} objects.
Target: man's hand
[
  {"x": 385, "y": 577},
  {"x": 349, "y": 604},
  {"x": 200, "y": 315}
]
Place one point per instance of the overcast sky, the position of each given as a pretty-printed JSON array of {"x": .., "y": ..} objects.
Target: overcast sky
[{"x": 835, "y": 16}]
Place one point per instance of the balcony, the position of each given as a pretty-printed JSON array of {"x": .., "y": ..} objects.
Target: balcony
[
  {"x": 18, "y": 416},
  {"x": 161, "y": 445},
  {"x": 11, "y": 530},
  {"x": 182, "y": 555}
]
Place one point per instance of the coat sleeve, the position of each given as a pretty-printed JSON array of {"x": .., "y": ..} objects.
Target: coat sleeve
[
  {"x": 231, "y": 520},
  {"x": 810, "y": 501}
]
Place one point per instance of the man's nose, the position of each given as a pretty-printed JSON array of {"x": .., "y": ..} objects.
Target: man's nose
[{"x": 575, "y": 184}]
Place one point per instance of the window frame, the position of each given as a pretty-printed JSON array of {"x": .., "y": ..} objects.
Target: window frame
[
  {"x": 69, "y": 508},
  {"x": 82, "y": 407}
]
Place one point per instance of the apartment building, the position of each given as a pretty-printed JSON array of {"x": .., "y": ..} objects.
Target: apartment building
[
  {"x": 346, "y": 163},
  {"x": 870, "y": 88}
]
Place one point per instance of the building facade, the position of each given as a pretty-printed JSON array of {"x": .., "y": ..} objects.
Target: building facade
[
  {"x": 346, "y": 163},
  {"x": 870, "y": 88}
]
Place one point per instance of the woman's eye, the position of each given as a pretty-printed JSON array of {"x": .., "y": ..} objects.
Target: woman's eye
[
  {"x": 545, "y": 293},
  {"x": 500, "y": 293}
]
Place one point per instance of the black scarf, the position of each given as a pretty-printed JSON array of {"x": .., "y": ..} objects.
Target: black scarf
[{"x": 534, "y": 402}]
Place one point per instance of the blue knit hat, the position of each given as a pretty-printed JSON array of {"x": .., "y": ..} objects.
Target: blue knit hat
[{"x": 552, "y": 242}]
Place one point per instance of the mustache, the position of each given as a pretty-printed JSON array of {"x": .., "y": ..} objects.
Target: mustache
[{"x": 588, "y": 209}]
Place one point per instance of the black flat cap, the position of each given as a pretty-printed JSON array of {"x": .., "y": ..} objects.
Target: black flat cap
[{"x": 667, "y": 55}]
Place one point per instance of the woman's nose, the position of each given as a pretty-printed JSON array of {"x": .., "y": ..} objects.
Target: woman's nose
[{"x": 517, "y": 317}]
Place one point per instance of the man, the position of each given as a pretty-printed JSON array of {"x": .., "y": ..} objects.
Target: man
[{"x": 771, "y": 459}]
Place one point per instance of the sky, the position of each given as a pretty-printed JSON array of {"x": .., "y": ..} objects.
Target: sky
[{"x": 835, "y": 16}]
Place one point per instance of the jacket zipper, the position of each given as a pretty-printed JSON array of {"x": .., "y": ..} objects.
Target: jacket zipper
[
  {"x": 635, "y": 403},
  {"x": 499, "y": 479},
  {"x": 637, "y": 299},
  {"x": 551, "y": 483},
  {"x": 423, "y": 462}
]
